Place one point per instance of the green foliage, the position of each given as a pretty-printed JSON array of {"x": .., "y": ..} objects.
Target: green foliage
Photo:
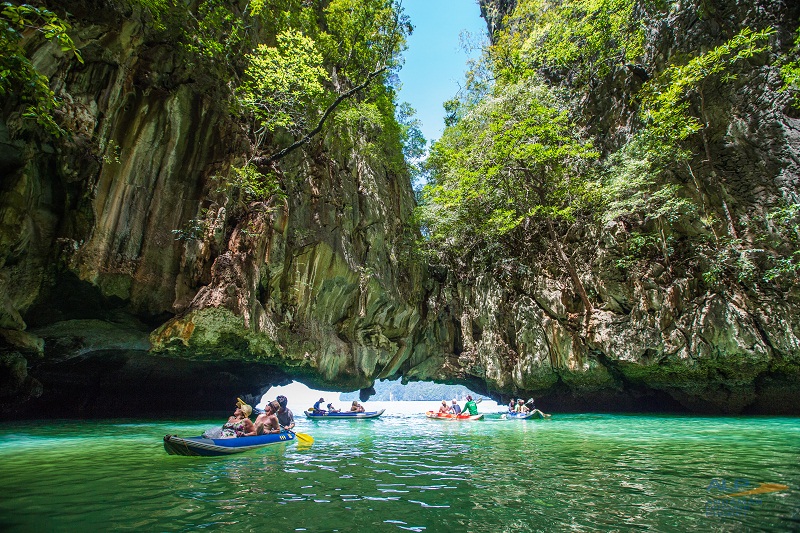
[
  {"x": 411, "y": 138},
  {"x": 195, "y": 229},
  {"x": 665, "y": 104},
  {"x": 786, "y": 220},
  {"x": 157, "y": 9},
  {"x": 243, "y": 185},
  {"x": 638, "y": 247},
  {"x": 110, "y": 151},
  {"x": 790, "y": 71},
  {"x": 283, "y": 83},
  {"x": 362, "y": 35},
  {"x": 18, "y": 76},
  {"x": 253, "y": 185},
  {"x": 513, "y": 157},
  {"x": 588, "y": 37},
  {"x": 315, "y": 70},
  {"x": 635, "y": 182},
  {"x": 725, "y": 260},
  {"x": 634, "y": 185}
]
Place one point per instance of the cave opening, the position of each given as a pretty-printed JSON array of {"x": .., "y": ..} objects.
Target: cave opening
[{"x": 392, "y": 395}]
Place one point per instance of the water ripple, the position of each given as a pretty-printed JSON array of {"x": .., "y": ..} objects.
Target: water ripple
[{"x": 575, "y": 472}]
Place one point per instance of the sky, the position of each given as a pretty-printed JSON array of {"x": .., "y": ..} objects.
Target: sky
[{"x": 434, "y": 61}]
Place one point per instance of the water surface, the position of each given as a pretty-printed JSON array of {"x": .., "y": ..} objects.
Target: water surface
[{"x": 403, "y": 472}]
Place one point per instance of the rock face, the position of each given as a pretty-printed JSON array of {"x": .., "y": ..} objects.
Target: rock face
[
  {"x": 656, "y": 340},
  {"x": 315, "y": 283},
  {"x": 103, "y": 312}
]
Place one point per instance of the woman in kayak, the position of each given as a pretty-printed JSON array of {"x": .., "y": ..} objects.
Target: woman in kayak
[
  {"x": 443, "y": 409},
  {"x": 267, "y": 422},
  {"x": 356, "y": 407},
  {"x": 239, "y": 425}
]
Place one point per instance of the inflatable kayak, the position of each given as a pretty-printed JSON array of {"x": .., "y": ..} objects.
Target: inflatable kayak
[
  {"x": 176, "y": 445},
  {"x": 522, "y": 416},
  {"x": 517, "y": 416},
  {"x": 346, "y": 415},
  {"x": 463, "y": 418}
]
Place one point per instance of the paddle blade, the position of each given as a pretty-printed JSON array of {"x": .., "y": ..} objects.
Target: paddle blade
[{"x": 302, "y": 437}]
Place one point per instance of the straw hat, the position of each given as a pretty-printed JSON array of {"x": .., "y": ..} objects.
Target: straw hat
[{"x": 246, "y": 409}]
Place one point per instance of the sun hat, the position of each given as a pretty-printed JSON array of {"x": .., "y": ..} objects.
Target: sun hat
[{"x": 246, "y": 409}]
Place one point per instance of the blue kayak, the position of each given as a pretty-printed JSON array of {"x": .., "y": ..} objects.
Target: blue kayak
[
  {"x": 522, "y": 416},
  {"x": 518, "y": 416},
  {"x": 175, "y": 445},
  {"x": 346, "y": 415}
]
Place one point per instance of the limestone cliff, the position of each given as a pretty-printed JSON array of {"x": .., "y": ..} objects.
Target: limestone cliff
[
  {"x": 102, "y": 308},
  {"x": 315, "y": 284},
  {"x": 659, "y": 337}
]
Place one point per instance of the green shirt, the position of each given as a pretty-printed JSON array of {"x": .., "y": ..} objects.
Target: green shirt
[{"x": 472, "y": 407}]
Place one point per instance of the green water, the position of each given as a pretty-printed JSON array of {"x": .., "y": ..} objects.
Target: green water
[{"x": 408, "y": 473}]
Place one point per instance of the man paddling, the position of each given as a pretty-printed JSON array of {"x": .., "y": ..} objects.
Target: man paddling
[
  {"x": 470, "y": 408},
  {"x": 532, "y": 408},
  {"x": 318, "y": 406}
]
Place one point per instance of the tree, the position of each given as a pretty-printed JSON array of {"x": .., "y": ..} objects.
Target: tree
[
  {"x": 515, "y": 158},
  {"x": 18, "y": 76},
  {"x": 299, "y": 83}
]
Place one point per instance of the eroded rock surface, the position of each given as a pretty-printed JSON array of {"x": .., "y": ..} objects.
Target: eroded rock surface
[{"x": 106, "y": 313}]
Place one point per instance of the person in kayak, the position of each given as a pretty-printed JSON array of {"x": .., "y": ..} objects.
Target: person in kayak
[
  {"x": 239, "y": 425},
  {"x": 443, "y": 409},
  {"x": 512, "y": 406},
  {"x": 521, "y": 407},
  {"x": 531, "y": 407},
  {"x": 332, "y": 409},
  {"x": 454, "y": 408},
  {"x": 318, "y": 406},
  {"x": 284, "y": 414},
  {"x": 267, "y": 422},
  {"x": 470, "y": 408},
  {"x": 356, "y": 407}
]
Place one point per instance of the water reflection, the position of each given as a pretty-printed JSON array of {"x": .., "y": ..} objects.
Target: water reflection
[{"x": 582, "y": 473}]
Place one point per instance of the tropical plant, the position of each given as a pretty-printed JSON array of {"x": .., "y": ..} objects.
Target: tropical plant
[
  {"x": 515, "y": 158},
  {"x": 18, "y": 76}
]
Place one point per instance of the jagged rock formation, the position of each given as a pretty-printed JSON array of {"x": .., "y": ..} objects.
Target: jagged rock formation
[
  {"x": 315, "y": 284},
  {"x": 102, "y": 309},
  {"x": 655, "y": 340}
]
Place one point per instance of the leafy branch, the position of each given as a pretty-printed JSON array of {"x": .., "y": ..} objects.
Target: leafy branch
[{"x": 18, "y": 76}]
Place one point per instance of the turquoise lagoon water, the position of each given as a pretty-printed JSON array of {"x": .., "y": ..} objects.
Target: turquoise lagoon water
[{"x": 403, "y": 472}]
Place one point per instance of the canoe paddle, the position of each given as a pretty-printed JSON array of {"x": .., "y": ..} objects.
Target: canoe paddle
[{"x": 302, "y": 437}]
